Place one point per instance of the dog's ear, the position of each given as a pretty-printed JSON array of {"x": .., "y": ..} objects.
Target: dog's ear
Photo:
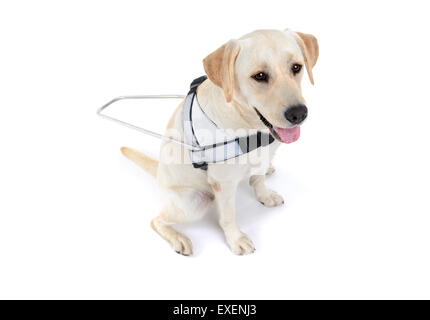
[
  {"x": 219, "y": 67},
  {"x": 309, "y": 46}
]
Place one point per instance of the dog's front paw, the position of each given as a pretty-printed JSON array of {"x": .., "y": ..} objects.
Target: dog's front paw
[
  {"x": 270, "y": 170},
  {"x": 270, "y": 199},
  {"x": 241, "y": 245}
]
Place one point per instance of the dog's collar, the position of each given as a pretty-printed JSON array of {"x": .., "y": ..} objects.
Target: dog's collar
[{"x": 215, "y": 144}]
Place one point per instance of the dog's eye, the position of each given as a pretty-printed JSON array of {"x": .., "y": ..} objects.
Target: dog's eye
[
  {"x": 296, "y": 68},
  {"x": 260, "y": 77}
]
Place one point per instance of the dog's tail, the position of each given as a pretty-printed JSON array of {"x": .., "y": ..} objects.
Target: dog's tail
[{"x": 146, "y": 163}]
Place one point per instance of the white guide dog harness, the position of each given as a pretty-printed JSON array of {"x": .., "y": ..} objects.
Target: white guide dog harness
[{"x": 214, "y": 143}]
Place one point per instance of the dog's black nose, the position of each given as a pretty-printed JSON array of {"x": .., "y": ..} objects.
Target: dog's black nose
[{"x": 296, "y": 114}]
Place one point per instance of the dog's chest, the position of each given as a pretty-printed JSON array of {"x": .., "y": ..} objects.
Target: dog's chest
[{"x": 256, "y": 162}]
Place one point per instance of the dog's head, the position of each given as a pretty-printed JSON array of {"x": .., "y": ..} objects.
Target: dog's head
[{"x": 261, "y": 73}]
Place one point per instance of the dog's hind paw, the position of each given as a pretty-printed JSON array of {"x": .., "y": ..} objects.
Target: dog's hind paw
[
  {"x": 271, "y": 199},
  {"x": 182, "y": 245},
  {"x": 242, "y": 245}
]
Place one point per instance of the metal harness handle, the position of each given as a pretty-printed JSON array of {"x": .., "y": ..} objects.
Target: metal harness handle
[{"x": 143, "y": 130}]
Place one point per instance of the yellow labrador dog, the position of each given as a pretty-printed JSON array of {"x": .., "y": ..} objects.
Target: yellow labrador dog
[{"x": 253, "y": 84}]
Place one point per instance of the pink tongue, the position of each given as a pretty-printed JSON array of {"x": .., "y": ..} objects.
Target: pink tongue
[{"x": 288, "y": 135}]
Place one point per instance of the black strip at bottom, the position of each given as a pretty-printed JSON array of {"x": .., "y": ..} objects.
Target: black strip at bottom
[{"x": 215, "y": 309}]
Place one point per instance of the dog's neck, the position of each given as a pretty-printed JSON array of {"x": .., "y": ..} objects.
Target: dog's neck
[{"x": 225, "y": 115}]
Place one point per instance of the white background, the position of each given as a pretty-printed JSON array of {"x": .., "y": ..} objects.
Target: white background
[{"x": 75, "y": 214}]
